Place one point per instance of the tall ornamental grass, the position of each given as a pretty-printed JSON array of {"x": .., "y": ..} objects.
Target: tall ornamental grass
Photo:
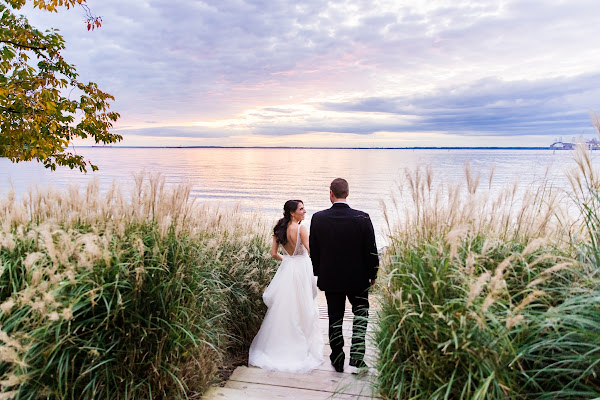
[
  {"x": 124, "y": 297},
  {"x": 492, "y": 296}
]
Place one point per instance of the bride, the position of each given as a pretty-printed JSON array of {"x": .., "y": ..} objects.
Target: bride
[{"x": 289, "y": 338}]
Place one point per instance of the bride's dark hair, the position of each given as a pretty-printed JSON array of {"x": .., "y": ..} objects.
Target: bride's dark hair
[{"x": 280, "y": 230}]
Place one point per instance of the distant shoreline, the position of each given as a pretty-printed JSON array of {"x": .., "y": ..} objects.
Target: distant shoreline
[{"x": 321, "y": 148}]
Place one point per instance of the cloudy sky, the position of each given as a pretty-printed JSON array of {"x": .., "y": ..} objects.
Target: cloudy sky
[{"x": 342, "y": 72}]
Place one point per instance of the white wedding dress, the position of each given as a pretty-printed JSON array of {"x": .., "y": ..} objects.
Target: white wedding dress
[{"x": 289, "y": 338}]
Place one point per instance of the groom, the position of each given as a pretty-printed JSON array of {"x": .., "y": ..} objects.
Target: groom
[{"x": 344, "y": 258}]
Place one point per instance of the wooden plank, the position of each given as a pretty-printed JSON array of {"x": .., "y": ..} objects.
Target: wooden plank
[
  {"x": 249, "y": 383},
  {"x": 326, "y": 381},
  {"x": 279, "y": 392},
  {"x": 225, "y": 393}
]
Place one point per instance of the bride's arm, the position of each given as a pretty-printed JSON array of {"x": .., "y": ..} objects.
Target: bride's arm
[
  {"x": 304, "y": 237},
  {"x": 274, "y": 250}
]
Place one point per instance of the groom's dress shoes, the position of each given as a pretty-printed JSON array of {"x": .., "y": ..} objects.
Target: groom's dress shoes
[
  {"x": 338, "y": 367},
  {"x": 338, "y": 363}
]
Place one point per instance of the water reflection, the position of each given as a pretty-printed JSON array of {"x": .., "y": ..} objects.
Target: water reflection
[{"x": 261, "y": 180}]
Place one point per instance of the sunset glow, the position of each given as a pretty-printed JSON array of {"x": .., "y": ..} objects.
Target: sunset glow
[{"x": 341, "y": 73}]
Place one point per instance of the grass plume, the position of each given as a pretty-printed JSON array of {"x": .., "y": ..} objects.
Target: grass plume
[
  {"x": 107, "y": 295},
  {"x": 490, "y": 295}
]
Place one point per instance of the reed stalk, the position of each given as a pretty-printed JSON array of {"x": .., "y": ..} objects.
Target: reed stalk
[{"x": 138, "y": 296}]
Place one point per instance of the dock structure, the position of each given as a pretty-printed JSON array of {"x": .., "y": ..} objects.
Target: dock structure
[
  {"x": 559, "y": 144},
  {"x": 250, "y": 383}
]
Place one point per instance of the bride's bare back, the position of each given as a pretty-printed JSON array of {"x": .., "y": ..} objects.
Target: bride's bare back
[{"x": 292, "y": 235}]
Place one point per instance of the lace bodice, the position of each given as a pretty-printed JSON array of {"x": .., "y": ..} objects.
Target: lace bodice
[{"x": 299, "y": 250}]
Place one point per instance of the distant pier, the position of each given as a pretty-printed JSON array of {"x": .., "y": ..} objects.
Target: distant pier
[{"x": 558, "y": 144}]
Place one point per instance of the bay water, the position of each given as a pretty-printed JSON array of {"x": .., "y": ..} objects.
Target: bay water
[{"x": 260, "y": 180}]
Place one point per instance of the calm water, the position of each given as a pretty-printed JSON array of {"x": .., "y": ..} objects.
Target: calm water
[{"x": 263, "y": 179}]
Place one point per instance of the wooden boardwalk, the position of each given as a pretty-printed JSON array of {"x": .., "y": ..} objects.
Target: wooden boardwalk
[{"x": 250, "y": 383}]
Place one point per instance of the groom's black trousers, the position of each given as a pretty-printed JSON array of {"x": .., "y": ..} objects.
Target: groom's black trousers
[{"x": 336, "y": 303}]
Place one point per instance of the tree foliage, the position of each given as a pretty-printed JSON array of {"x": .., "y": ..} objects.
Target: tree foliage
[{"x": 38, "y": 119}]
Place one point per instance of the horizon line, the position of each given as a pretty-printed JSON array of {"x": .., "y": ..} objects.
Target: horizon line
[{"x": 331, "y": 148}]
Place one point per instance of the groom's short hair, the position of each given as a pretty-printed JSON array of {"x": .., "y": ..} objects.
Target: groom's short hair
[{"x": 340, "y": 188}]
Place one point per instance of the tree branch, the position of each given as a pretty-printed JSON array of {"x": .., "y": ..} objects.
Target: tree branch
[
  {"x": 10, "y": 110},
  {"x": 23, "y": 45}
]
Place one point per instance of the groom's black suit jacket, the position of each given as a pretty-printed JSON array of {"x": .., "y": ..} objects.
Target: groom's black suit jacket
[{"x": 343, "y": 249}]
